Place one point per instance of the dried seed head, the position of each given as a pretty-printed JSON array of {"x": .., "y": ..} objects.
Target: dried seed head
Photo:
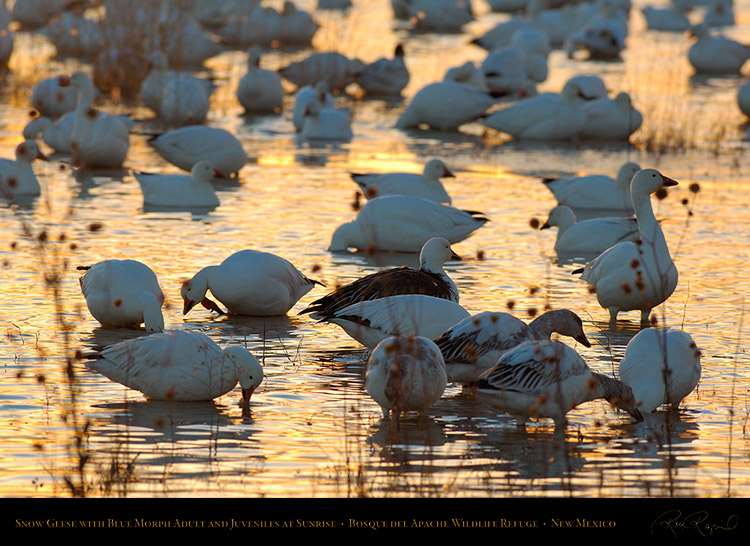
[
  {"x": 510, "y": 304},
  {"x": 695, "y": 187},
  {"x": 625, "y": 287},
  {"x": 661, "y": 193},
  {"x": 534, "y": 223},
  {"x": 480, "y": 255}
]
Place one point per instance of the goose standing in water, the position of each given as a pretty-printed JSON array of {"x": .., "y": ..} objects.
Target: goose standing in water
[
  {"x": 636, "y": 276},
  {"x": 662, "y": 366},
  {"x": 123, "y": 294},
  {"x": 248, "y": 282},
  {"x": 405, "y": 373}
]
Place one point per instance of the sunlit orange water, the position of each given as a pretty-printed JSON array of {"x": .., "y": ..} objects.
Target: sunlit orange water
[{"x": 311, "y": 429}]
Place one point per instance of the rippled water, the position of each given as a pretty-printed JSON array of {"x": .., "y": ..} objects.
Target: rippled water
[{"x": 311, "y": 429}]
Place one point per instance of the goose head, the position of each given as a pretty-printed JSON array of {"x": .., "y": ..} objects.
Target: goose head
[
  {"x": 647, "y": 181},
  {"x": 435, "y": 253},
  {"x": 204, "y": 172},
  {"x": 436, "y": 169},
  {"x": 248, "y": 370},
  {"x": 28, "y": 151}
]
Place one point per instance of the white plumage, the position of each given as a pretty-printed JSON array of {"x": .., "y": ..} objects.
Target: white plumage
[
  {"x": 186, "y": 146},
  {"x": 405, "y": 373},
  {"x": 192, "y": 190},
  {"x": 179, "y": 365},
  {"x": 596, "y": 191},
  {"x": 123, "y": 294},
  {"x": 716, "y": 54},
  {"x": 592, "y": 236},
  {"x": 385, "y": 77},
  {"x": 260, "y": 90},
  {"x": 98, "y": 139},
  {"x": 445, "y": 106},
  {"x": 248, "y": 282},
  {"x": 402, "y": 223},
  {"x": 610, "y": 119},
  {"x": 371, "y": 321},
  {"x": 636, "y": 276},
  {"x": 17, "y": 177},
  {"x": 426, "y": 185},
  {"x": 662, "y": 366}
]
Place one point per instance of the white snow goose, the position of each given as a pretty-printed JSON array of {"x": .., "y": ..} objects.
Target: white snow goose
[
  {"x": 662, "y": 366},
  {"x": 445, "y": 106},
  {"x": 17, "y": 178},
  {"x": 186, "y": 146},
  {"x": 385, "y": 77},
  {"x": 610, "y": 119},
  {"x": 248, "y": 282},
  {"x": 638, "y": 275},
  {"x": 473, "y": 345},
  {"x": 371, "y": 321},
  {"x": 547, "y": 116},
  {"x": 716, "y": 54},
  {"x": 743, "y": 98},
  {"x": 402, "y": 223},
  {"x": 404, "y": 374},
  {"x": 337, "y": 70},
  {"x": 55, "y": 133},
  {"x": 52, "y": 97},
  {"x": 426, "y": 185},
  {"x": 592, "y": 236},
  {"x": 430, "y": 279},
  {"x": 260, "y": 90},
  {"x": 193, "y": 190},
  {"x": 179, "y": 365},
  {"x": 325, "y": 123},
  {"x": 596, "y": 191},
  {"x": 98, "y": 140},
  {"x": 304, "y": 96},
  {"x": 123, "y": 294},
  {"x": 668, "y": 19},
  {"x": 547, "y": 379}
]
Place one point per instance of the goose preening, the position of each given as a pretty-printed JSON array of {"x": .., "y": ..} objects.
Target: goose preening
[
  {"x": 260, "y": 90},
  {"x": 98, "y": 140},
  {"x": 592, "y": 236},
  {"x": 430, "y": 279},
  {"x": 385, "y": 77},
  {"x": 473, "y": 345},
  {"x": 193, "y": 190},
  {"x": 248, "y": 282},
  {"x": 636, "y": 276},
  {"x": 371, "y": 321},
  {"x": 179, "y": 365},
  {"x": 426, "y": 185},
  {"x": 123, "y": 294},
  {"x": 17, "y": 177},
  {"x": 547, "y": 379},
  {"x": 596, "y": 191},
  {"x": 402, "y": 223},
  {"x": 445, "y": 106},
  {"x": 305, "y": 96},
  {"x": 405, "y": 373},
  {"x": 321, "y": 122},
  {"x": 186, "y": 146},
  {"x": 662, "y": 366}
]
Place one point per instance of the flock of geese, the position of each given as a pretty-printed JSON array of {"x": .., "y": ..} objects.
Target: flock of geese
[{"x": 419, "y": 337}]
